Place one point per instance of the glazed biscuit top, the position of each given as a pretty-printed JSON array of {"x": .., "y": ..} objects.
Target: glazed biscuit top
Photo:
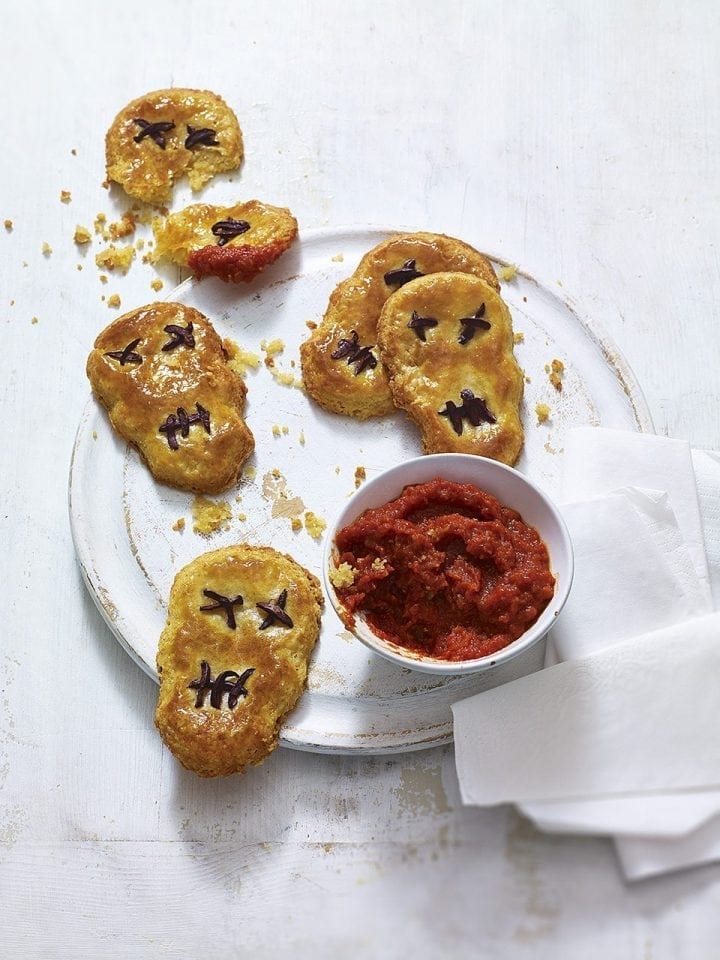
[
  {"x": 234, "y": 242},
  {"x": 157, "y": 138},
  {"x": 162, "y": 373},
  {"x": 242, "y": 623},
  {"x": 447, "y": 343},
  {"x": 347, "y": 376}
]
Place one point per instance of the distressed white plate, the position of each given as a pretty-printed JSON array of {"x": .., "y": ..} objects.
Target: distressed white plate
[{"x": 122, "y": 520}]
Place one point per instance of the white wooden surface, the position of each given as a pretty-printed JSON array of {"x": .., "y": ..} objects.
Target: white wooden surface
[{"x": 579, "y": 140}]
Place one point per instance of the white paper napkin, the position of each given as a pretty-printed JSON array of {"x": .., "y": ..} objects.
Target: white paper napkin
[
  {"x": 680, "y": 516},
  {"x": 633, "y": 573},
  {"x": 624, "y": 720}
]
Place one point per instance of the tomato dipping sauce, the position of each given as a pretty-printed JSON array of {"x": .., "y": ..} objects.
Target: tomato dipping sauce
[{"x": 444, "y": 570}]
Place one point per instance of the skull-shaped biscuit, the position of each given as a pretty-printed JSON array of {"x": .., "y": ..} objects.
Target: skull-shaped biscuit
[
  {"x": 447, "y": 343},
  {"x": 341, "y": 366},
  {"x": 233, "y": 657},
  {"x": 162, "y": 373},
  {"x": 158, "y": 138},
  {"x": 234, "y": 243}
]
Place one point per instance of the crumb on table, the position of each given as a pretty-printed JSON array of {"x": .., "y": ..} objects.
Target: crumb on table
[
  {"x": 114, "y": 258},
  {"x": 82, "y": 235}
]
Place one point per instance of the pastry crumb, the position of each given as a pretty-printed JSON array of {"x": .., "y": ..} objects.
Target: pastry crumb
[
  {"x": 338, "y": 258},
  {"x": 114, "y": 300},
  {"x": 242, "y": 517},
  {"x": 301, "y": 438},
  {"x": 65, "y": 196},
  {"x": 240, "y": 360},
  {"x": 179, "y": 524},
  {"x": 543, "y": 412},
  {"x": 8, "y": 225},
  {"x": 555, "y": 372},
  {"x": 508, "y": 272},
  {"x": 210, "y": 516},
  {"x": 276, "y": 430},
  {"x": 360, "y": 476},
  {"x": 311, "y": 325},
  {"x": 314, "y": 525},
  {"x": 94, "y": 435},
  {"x": 82, "y": 235},
  {"x": 122, "y": 227},
  {"x": 518, "y": 338},
  {"x": 46, "y": 249},
  {"x": 295, "y": 524},
  {"x": 33, "y": 320},
  {"x": 116, "y": 258},
  {"x": 250, "y": 472},
  {"x": 343, "y": 575},
  {"x": 157, "y": 284}
]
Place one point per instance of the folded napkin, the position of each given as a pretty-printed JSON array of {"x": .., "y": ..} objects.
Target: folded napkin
[{"x": 644, "y": 515}]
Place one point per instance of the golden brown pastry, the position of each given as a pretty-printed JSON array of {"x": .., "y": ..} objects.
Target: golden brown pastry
[
  {"x": 341, "y": 367},
  {"x": 234, "y": 243},
  {"x": 157, "y": 138},
  {"x": 232, "y": 660},
  {"x": 447, "y": 343},
  {"x": 161, "y": 372}
]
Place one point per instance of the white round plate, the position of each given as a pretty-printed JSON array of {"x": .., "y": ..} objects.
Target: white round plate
[{"x": 124, "y": 523}]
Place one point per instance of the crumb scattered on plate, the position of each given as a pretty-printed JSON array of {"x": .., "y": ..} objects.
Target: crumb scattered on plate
[
  {"x": 179, "y": 524},
  {"x": 46, "y": 249},
  {"x": 518, "y": 338},
  {"x": 543, "y": 412},
  {"x": 240, "y": 360},
  {"x": 65, "y": 196},
  {"x": 8, "y": 225},
  {"x": 210, "y": 515},
  {"x": 314, "y": 525},
  {"x": 555, "y": 373},
  {"x": 113, "y": 300},
  {"x": 360, "y": 476},
  {"x": 508, "y": 273}
]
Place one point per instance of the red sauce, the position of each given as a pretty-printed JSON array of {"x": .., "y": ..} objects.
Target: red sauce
[{"x": 445, "y": 570}]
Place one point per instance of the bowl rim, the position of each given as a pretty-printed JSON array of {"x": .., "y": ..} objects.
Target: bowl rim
[{"x": 431, "y": 465}]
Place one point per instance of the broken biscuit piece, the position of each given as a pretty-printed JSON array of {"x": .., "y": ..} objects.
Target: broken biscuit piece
[
  {"x": 447, "y": 343},
  {"x": 233, "y": 243},
  {"x": 341, "y": 366},
  {"x": 233, "y": 657},
  {"x": 162, "y": 373},
  {"x": 166, "y": 134}
]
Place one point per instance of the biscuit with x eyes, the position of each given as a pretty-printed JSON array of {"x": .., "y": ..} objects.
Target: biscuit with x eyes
[
  {"x": 162, "y": 373},
  {"x": 341, "y": 366},
  {"x": 447, "y": 343},
  {"x": 158, "y": 138},
  {"x": 233, "y": 657},
  {"x": 233, "y": 243}
]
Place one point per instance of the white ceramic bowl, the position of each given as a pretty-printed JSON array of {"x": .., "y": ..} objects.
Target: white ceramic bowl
[{"x": 513, "y": 490}]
